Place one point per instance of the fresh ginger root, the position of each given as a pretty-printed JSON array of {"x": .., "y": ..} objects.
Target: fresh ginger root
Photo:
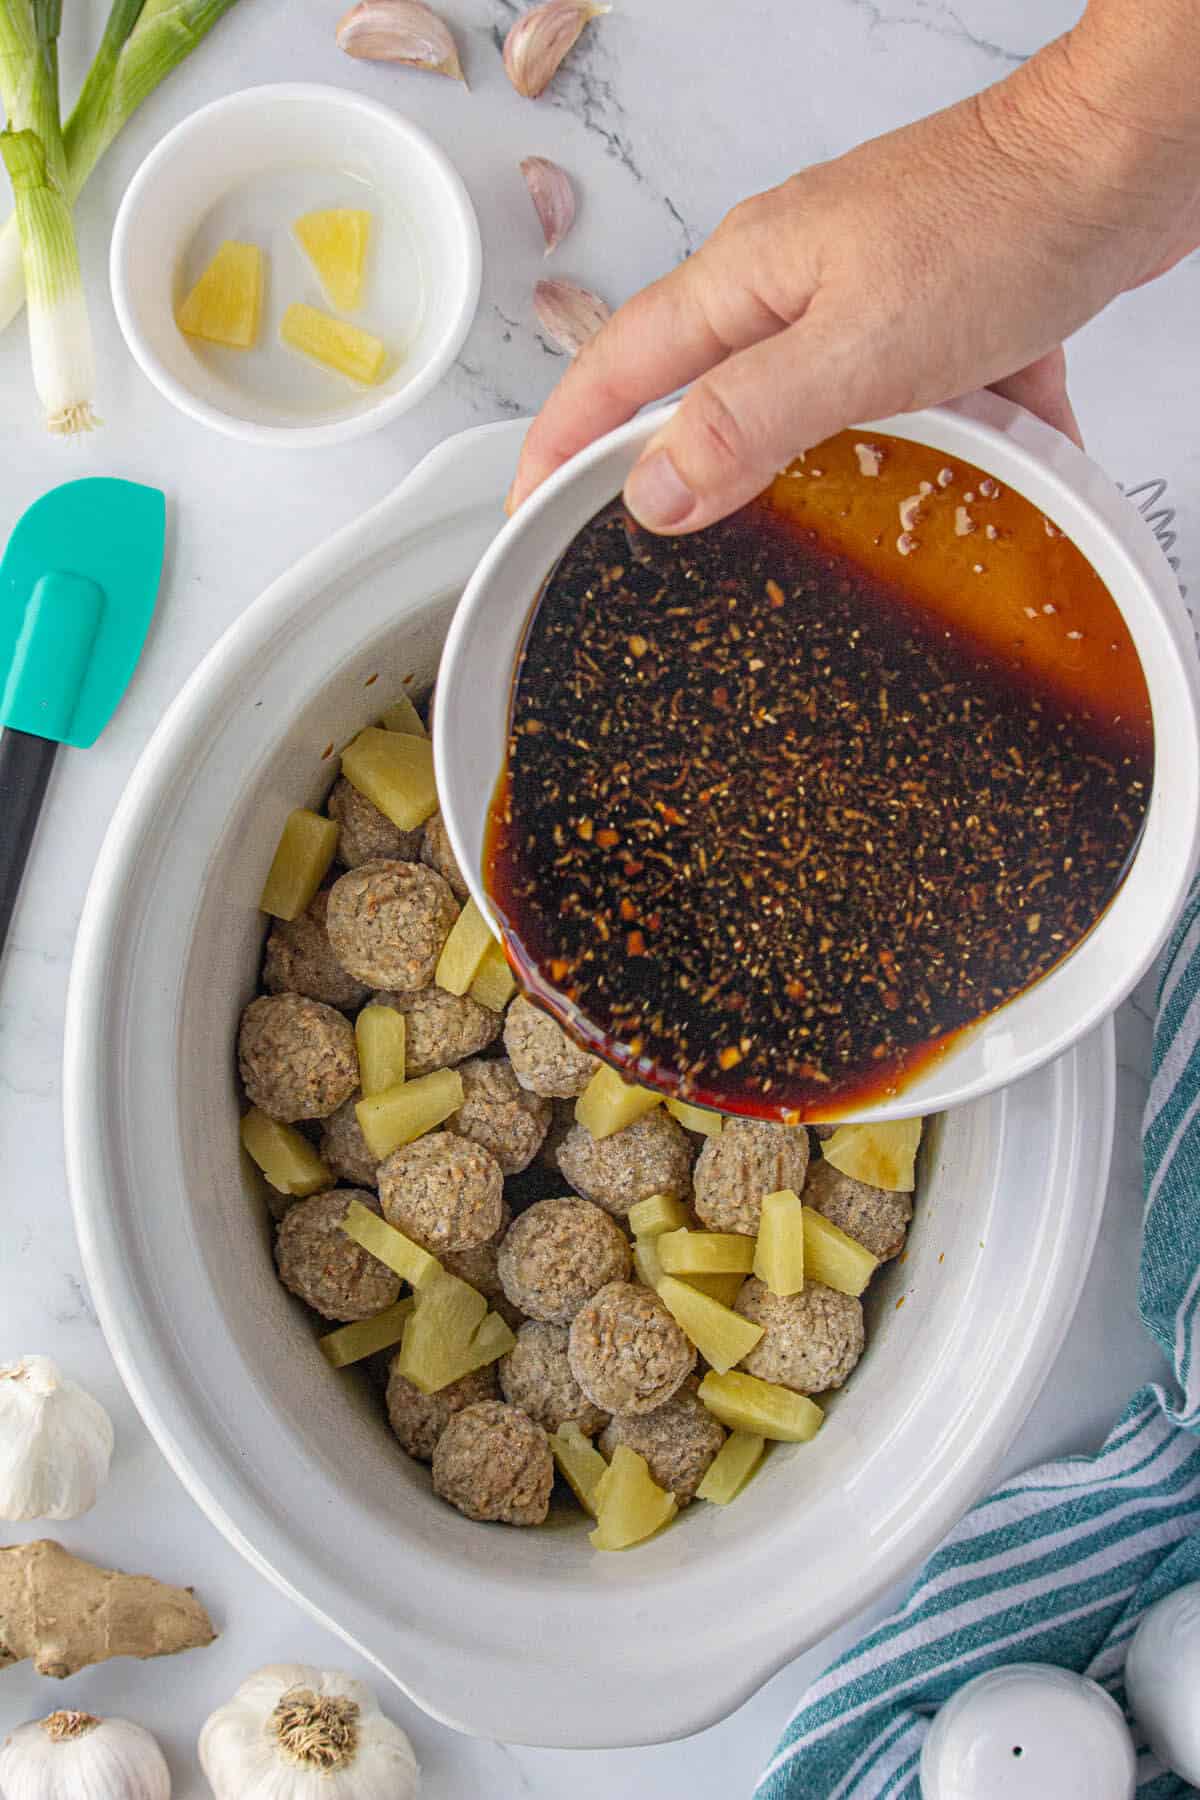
[{"x": 64, "y": 1614}]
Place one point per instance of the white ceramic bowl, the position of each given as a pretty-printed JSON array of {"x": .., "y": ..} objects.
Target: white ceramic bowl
[
  {"x": 302, "y": 143},
  {"x": 472, "y": 715},
  {"x": 521, "y": 1635}
]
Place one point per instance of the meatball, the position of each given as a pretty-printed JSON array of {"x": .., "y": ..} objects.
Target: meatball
[
  {"x": 536, "y": 1376},
  {"x": 811, "y": 1340},
  {"x": 441, "y": 1029},
  {"x": 562, "y": 1120},
  {"x": 543, "y": 1056},
  {"x": 344, "y": 1147},
  {"x": 749, "y": 1158},
  {"x": 388, "y": 921},
  {"x": 300, "y": 961},
  {"x": 678, "y": 1440},
  {"x": 442, "y": 1192},
  {"x": 651, "y": 1156},
  {"x": 327, "y": 1269},
  {"x": 497, "y": 1113},
  {"x": 365, "y": 833},
  {"x": 874, "y": 1216},
  {"x": 419, "y": 1420},
  {"x": 297, "y": 1057},
  {"x": 556, "y": 1256},
  {"x": 437, "y": 854},
  {"x": 493, "y": 1462},
  {"x": 626, "y": 1351},
  {"x": 478, "y": 1269}
]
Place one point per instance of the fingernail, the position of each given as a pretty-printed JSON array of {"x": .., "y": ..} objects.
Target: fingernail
[{"x": 656, "y": 494}]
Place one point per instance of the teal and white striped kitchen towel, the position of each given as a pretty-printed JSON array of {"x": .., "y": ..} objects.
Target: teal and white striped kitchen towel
[{"x": 1058, "y": 1565}]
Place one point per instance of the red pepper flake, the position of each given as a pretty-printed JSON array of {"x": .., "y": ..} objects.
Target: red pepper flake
[
  {"x": 775, "y": 593},
  {"x": 607, "y": 839},
  {"x": 670, "y": 814},
  {"x": 795, "y": 990},
  {"x": 326, "y": 753},
  {"x": 371, "y": 679},
  {"x": 627, "y": 909},
  {"x": 729, "y": 1057},
  {"x": 637, "y": 645},
  {"x": 635, "y": 944},
  {"x": 559, "y": 970},
  {"x": 633, "y": 868},
  {"x": 584, "y": 830}
]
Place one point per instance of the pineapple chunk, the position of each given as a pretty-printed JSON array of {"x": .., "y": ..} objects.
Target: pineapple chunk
[
  {"x": 351, "y": 1343},
  {"x": 335, "y": 243},
  {"x": 884, "y": 1156},
  {"x": 724, "y": 1288},
  {"x": 393, "y": 1249},
  {"x": 450, "y": 1334},
  {"x": 302, "y": 856},
  {"x": 658, "y": 1213},
  {"x": 395, "y": 772},
  {"x": 408, "y": 1110},
  {"x": 705, "y": 1253},
  {"x": 608, "y": 1104},
  {"x": 580, "y": 1464},
  {"x": 493, "y": 986},
  {"x": 491, "y": 1340},
  {"x": 646, "y": 1266},
  {"x": 380, "y": 1033},
  {"x": 696, "y": 1118},
  {"x": 403, "y": 716},
  {"x": 464, "y": 950},
  {"x": 833, "y": 1257},
  {"x": 779, "y": 1249},
  {"x": 225, "y": 305},
  {"x": 721, "y": 1336},
  {"x": 632, "y": 1506},
  {"x": 334, "y": 343},
  {"x": 761, "y": 1408},
  {"x": 731, "y": 1468},
  {"x": 284, "y": 1155}
]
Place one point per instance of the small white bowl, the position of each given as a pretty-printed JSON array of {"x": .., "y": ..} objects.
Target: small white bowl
[
  {"x": 279, "y": 136},
  {"x": 471, "y": 720}
]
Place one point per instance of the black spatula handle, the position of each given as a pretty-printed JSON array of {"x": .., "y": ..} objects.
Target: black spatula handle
[{"x": 25, "y": 765}]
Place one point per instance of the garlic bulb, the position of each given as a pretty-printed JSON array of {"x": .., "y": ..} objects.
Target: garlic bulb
[
  {"x": 71, "y": 1753},
  {"x": 55, "y": 1442},
  {"x": 296, "y": 1733}
]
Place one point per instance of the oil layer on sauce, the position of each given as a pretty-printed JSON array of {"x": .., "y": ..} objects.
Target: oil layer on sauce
[{"x": 791, "y": 801}]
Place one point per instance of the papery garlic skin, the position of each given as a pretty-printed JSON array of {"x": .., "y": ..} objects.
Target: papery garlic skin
[
  {"x": 292, "y": 1732},
  {"x": 55, "y": 1442},
  {"x": 73, "y": 1754},
  {"x": 553, "y": 198},
  {"x": 538, "y": 41},
  {"x": 401, "y": 31},
  {"x": 570, "y": 315}
]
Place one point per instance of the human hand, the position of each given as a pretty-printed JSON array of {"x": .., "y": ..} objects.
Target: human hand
[{"x": 954, "y": 254}]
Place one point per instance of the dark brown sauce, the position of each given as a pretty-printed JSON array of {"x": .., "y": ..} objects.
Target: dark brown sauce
[{"x": 793, "y": 801}]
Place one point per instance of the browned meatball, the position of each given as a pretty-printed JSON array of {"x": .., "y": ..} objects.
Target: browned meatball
[
  {"x": 651, "y": 1156},
  {"x": 297, "y": 1057},
  {"x": 442, "y": 1192},
  {"x": 493, "y": 1462},
  {"x": 327, "y": 1269},
  {"x": 441, "y": 1029},
  {"x": 388, "y": 921},
  {"x": 811, "y": 1340},
  {"x": 419, "y": 1420},
  {"x": 749, "y": 1158},
  {"x": 497, "y": 1113},
  {"x": 437, "y": 854},
  {"x": 299, "y": 960},
  {"x": 365, "y": 833},
  {"x": 678, "y": 1440},
  {"x": 557, "y": 1254},
  {"x": 536, "y": 1376},
  {"x": 626, "y": 1351},
  {"x": 876, "y": 1217},
  {"x": 543, "y": 1057},
  {"x": 344, "y": 1147}
]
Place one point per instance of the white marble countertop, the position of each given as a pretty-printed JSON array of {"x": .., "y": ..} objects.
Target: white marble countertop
[{"x": 673, "y": 111}]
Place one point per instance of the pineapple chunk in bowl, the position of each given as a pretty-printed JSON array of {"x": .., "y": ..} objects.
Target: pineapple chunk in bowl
[{"x": 522, "y": 1635}]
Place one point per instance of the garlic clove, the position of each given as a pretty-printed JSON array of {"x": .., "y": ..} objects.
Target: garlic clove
[
  {"x": 538, "y": 41},
  {"x": 553, "y": 198},
  {"x": 569, "y": 315},
  {"x": 400, "y": 31},
  {"x": 90, "y": 1759},
  {"x": 55, "y": 1442}
]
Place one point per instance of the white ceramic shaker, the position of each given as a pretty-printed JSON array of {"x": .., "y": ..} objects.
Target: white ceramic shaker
[{"x": 1162, "y": 1680}]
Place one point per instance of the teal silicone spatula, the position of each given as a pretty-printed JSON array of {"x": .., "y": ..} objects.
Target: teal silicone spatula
[{"x": 77, "y": 589}]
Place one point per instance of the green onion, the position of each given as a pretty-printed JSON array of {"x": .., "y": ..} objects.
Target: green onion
[{"x": 142, "y": 44}]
